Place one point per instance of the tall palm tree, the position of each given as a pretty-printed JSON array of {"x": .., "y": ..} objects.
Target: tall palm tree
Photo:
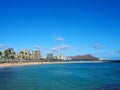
[
  {"x": 13, "y": 55},
  {"x": 10, "y": 53},
  {"x": 21, "y": 55},
  {"x": 6, "y": 54},
  {"x": 0, "y": 54}
]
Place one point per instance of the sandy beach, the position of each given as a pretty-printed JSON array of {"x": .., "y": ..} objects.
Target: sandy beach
[
  {"x": 26, "y": 63},
  {"x": 37, "y": 63}
]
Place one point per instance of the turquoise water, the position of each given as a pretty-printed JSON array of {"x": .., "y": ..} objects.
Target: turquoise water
[{"x": 87, "y": 76}]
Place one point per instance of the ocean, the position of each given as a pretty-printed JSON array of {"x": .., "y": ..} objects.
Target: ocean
[{"x": 72, "y": 76}]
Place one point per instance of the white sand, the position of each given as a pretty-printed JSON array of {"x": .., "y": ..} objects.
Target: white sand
[{"x": 36, "y": 63}]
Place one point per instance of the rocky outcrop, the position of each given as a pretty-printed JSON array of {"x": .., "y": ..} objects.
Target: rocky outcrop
[{"x": 85, "y": 57}]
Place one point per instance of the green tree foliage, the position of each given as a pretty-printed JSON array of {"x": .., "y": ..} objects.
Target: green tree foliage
[
  {"x": 9, "y": 53},
  {"x": 1, "y": 54}
]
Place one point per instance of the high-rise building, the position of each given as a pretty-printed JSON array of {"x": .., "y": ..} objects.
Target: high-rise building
[
  {"x": 26, "y": 54},
  {"x": 60, "y": 57},
  {"x": 49, "y": 56},
  {"x": 36, "y": 55}
]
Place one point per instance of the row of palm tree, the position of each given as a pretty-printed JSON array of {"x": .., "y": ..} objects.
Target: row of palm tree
[{"x": 8, "y": 54}]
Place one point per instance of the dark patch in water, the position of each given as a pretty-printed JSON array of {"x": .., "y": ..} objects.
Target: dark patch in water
[{"x": 110, "y": 87}]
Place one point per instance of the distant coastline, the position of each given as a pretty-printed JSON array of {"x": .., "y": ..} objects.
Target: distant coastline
[
  {"x": 12, "y": 64},
  {"x": 38, "y": 63}
]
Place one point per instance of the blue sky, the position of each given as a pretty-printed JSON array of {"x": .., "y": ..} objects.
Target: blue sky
[{"x": 71, "y": 27}]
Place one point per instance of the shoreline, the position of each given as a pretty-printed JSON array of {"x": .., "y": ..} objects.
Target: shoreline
[
  {"x": 39, "y": 63},
  {"x": 26, "y": 64}
]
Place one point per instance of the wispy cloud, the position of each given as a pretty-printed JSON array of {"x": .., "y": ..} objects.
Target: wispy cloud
[
  {"x": 97, "y": 46},
  {"x": 59, "y": 39},
  {"x": 36, "y": 46},
  {"x": 2, "y": 46},
  {"x": 61, "y": 47}
]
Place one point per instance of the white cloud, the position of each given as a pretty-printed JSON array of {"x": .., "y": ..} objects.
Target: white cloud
[
  {"x": 59, "y": 39},
  {"x": 61, "y": 47}
]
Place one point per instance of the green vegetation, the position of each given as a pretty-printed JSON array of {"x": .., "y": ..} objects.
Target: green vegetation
[
  {"x": 8, "y": 54},
  {"x": 0, "y": 54}
]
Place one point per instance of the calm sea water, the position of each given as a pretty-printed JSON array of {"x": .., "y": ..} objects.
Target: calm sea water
[{"x": 85, "y": 76}]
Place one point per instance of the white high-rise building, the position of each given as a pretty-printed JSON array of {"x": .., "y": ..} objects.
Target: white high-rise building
[
  {"x": 36, "y": 55},
  {"x": 49, "y": 56}
]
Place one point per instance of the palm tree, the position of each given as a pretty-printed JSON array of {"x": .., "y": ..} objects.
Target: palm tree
[
  {"x": 9, "y": 54},
  {"x": 21, "y": 55},
  {"x": 6, "y": 54},
  {"x": 0, "y": 54},
  {"x": 13, "y": 55}
]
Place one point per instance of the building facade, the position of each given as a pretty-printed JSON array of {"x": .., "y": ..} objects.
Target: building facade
[
  {"x": 49, "y": 56},
  {"x": 36, "y": 55},
  {"x": 26, "y": 54}
]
